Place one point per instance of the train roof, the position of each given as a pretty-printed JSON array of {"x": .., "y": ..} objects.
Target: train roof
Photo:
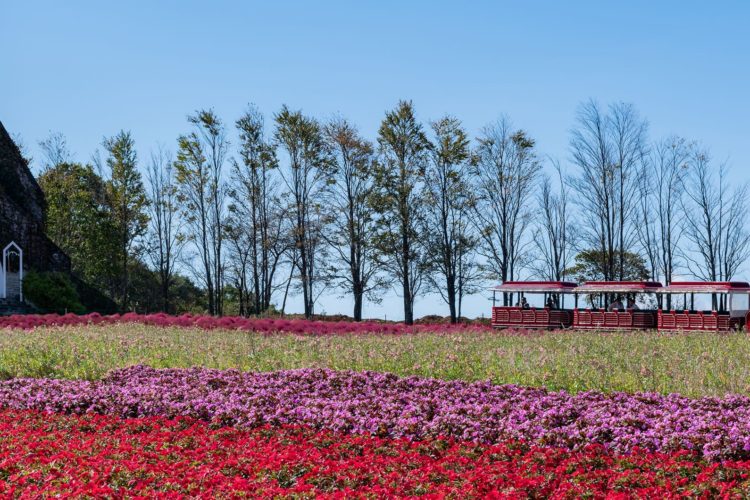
[
  {"x": 536, "y": 287},
  {"x": 676, "y": 287},
  {"x": 619, "y": 287},
  {"x": 707, "y": 287}
]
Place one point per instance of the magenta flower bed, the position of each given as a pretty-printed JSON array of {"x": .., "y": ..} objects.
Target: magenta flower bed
[
  {"x": 386, "y": 405},
  {"x": 296, "y": 326}
]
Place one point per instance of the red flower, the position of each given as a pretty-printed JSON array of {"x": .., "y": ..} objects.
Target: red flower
[
  {"x": 297, "y": 326},
  {"x": 92, "y": 455}
]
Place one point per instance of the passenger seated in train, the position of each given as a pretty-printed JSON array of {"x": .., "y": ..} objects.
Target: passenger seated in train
[
  {"x": 632, "y": 306},
  {"x": 523, "y": 303},
  {"x": 616, "y": 305},
  {"x": 550, "y": 304}
]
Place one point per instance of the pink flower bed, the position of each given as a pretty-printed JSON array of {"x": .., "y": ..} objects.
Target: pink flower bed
[
  {"x": 413, "y": 407},
  {"x": 295, "y": 326}
]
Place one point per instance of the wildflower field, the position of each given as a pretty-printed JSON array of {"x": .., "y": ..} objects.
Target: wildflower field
[{"x": 192, "y": 406}]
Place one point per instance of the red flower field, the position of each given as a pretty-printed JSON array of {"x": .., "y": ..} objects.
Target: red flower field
[
  {"x": 94, "y": 455},
  {"x": 258, "y": 325}
]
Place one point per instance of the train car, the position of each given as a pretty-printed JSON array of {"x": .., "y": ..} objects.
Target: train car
[
  {"x": 729, "y": 300},
  {"x": 551, "y": 315},
  {"x": 614, "y": 305},
  {"x": 609, "y": 308}
]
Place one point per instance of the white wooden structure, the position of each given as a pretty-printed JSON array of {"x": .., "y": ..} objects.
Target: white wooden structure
[{"x": 11, "y": 273}]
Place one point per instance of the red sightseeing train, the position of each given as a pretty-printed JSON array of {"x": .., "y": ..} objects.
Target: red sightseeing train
[{"x": 623, "y": 305}]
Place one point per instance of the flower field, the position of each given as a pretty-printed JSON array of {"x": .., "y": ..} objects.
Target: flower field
[
  {"x": 389, "y": 406},
  {"x": 91, "y": 455},
  {"x": 295, "y": 326},
  {"x": 692, "y": 364},
  {"x": 130, "y": 406}
]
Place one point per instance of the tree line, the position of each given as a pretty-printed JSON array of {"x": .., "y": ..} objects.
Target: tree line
[{"x": 302, "y": 206}]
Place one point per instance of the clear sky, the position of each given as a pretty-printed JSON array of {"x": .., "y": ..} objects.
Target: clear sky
[{"x": 89, "y": 69}]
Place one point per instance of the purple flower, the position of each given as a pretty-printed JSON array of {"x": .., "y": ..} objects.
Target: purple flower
[{"x": 413, "y": 407}]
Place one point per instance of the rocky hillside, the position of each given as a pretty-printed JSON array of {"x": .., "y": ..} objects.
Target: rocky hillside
[{"x": 22, "y": 209}]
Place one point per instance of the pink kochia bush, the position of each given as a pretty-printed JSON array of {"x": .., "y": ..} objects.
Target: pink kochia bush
[
  {"x": 295, "y": 326},
  {"x": 416, "y": 408}
]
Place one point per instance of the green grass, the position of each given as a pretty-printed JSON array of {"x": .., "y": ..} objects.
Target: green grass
[{"x": 693, "y": 364}]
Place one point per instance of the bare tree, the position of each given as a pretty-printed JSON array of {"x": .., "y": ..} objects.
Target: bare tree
[
  {"x": 469, "y": 275},
  {"x": 506, "y": 172},
  {"x": 451, "y": 238},
  {"x": 292, "y": 259},
  {"x": 553, "y": 235},
  {"x": 55, "y": 150},
  {"x": 398, "y": 200},
  {"x": 703, "y": 205},
  {"x": 165, "y": 238},
  {"x": 237, "y": 267},
  {"x": 255, "y": 219},
  {"x": 661, "y": 187},
  {"x": 715, "y": 221},
  {"x": 351, "y": 221},
  {"x": 608, "y": 148},
  {"x": 199, "y": 166},
  {"x": 305, "y": 176},
  {"x": 647, "y": 227},
  {"x": 628, "y": 134},
  {"x": 735, "y": 248},
  {"x": 23, "y": 149}
]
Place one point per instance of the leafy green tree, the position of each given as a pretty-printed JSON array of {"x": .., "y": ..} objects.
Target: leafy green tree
[
  {"x": 186, "y": 296},
  {"x": 591, "y": 265},
  {"x": 397, "y": 198},
  {"x": 129, "y": 204},
  {"x": 146, "y": 293},
  {"x": 79, "y": 221}
]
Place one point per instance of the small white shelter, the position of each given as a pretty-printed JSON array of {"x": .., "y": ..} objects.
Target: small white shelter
[{"x": 11, "y": 273}]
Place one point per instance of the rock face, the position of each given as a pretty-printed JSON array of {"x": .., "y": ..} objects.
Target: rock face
[{"x": 22, "y": 212}]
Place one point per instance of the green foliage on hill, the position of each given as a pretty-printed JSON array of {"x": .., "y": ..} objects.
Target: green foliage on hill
[{"x": 52, "y": 292}]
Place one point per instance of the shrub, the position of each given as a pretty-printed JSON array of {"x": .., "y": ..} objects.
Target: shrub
[{"x": 52, "y": 292}]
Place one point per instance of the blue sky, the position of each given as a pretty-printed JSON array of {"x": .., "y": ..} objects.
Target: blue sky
[{"x": 89, "y": 69}]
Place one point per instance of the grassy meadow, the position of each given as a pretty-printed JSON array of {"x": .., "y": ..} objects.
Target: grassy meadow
[{"x": 694, "y": 364}]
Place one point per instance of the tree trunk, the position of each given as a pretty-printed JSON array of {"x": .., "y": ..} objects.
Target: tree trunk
[
  {"x": 286, "y": 290},
  {"x": 460, "y": 300},
  {"x": 358, "y": 299},
  {"x": 165, "y": 295},
  {"x": 408, "y": 309},
  {"x": 451, "y": 292},
  {"x": 408, "y": 306},
  {"x": 211, "y": 306},
  {"x": 303, "y": 274}
]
